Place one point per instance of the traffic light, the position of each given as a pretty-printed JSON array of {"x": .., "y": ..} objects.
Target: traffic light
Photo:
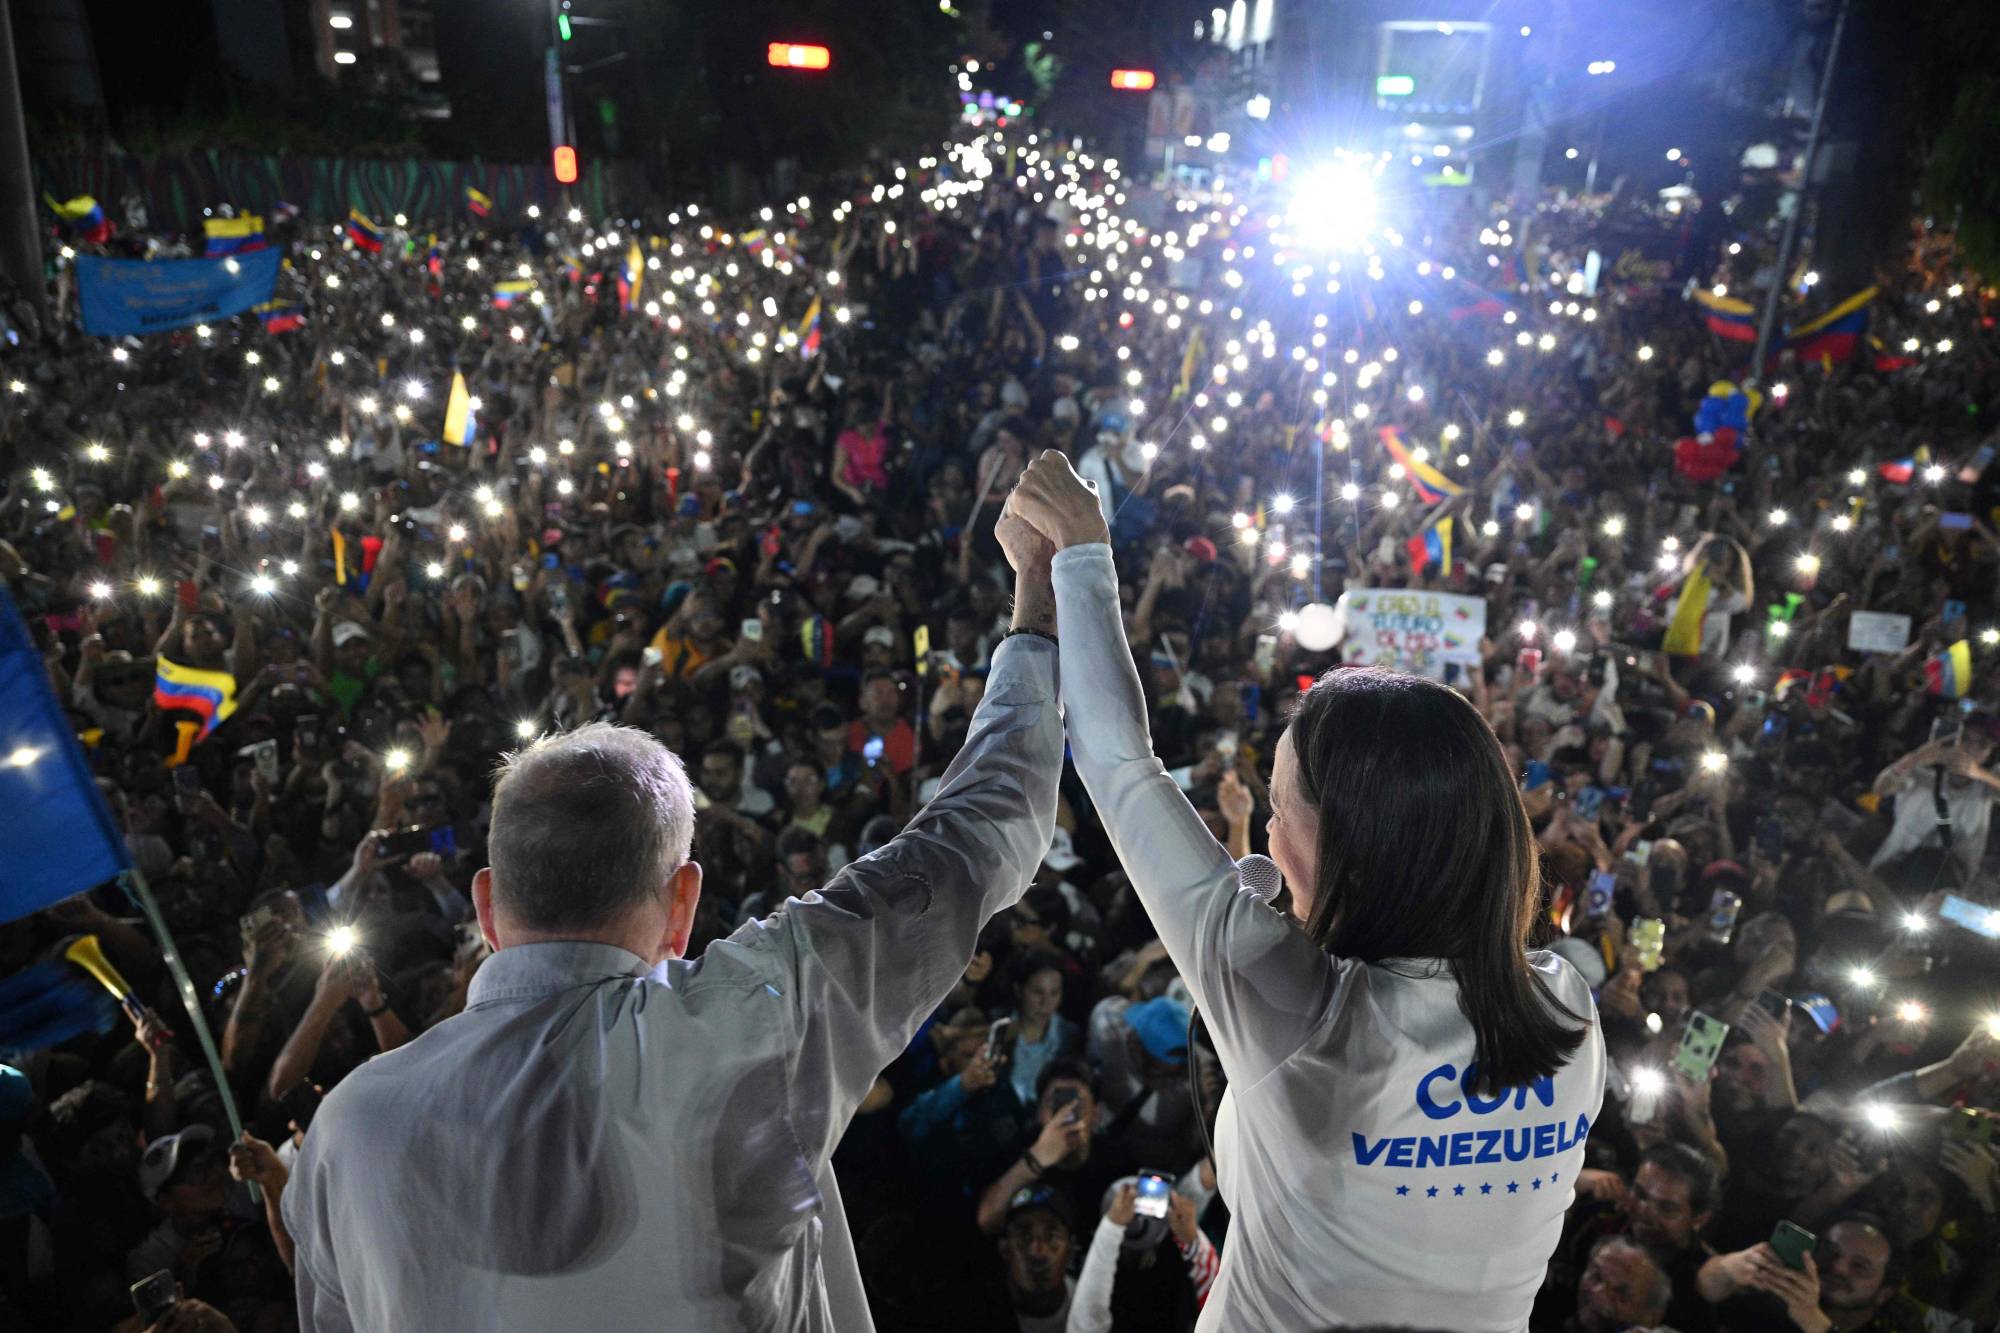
[
  {"x": 793, "y": 55},
  {"x": 563, "y": 28},
  {"x": 565, "y": 164},
  {"x": 1132, "y": 80}
]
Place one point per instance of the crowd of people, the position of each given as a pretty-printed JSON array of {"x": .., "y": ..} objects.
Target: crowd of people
[{"x": 734, "y": 481}]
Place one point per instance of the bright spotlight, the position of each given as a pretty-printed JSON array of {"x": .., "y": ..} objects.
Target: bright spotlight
[{"x": 1333, "y": 207}]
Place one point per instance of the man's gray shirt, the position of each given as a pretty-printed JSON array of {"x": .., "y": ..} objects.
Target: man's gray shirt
[{"x": 591, "y": 1146}]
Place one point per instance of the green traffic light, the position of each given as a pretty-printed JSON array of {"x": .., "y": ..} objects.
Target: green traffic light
[{"x": 562, "y": 26}]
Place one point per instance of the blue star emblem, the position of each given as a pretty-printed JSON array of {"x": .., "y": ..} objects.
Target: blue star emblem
[
  {"x": 1457, "y": 1189},
  {"x": 1536, "y": 1182},
  {"x": 1553, "y": 1177},
  {"x": 1432, "y": 1192},
  {"x": 1486, "y": 1188},
  {"x": 1513, "y": 1188},
  {"x": 1402, "y": 1190}
]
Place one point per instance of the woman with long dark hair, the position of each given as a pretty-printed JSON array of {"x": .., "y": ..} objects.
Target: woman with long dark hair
[{"x": 1409, "y": 1087}]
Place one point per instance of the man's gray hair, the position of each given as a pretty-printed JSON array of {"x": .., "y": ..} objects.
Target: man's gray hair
[
  {"x": 1658, "y": 1291},
  {"x": 587, "y": 825}
]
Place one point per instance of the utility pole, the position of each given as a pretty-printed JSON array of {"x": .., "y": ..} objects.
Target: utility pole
[
  {"x": 1789, "y": 237},
  {"x": 20, "y": 235}
]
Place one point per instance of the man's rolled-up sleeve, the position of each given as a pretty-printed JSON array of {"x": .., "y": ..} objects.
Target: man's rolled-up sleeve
[{"x": 872, "y": 954}]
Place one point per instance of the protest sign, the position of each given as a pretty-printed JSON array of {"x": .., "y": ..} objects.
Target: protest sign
[
  {"x": 1878, "y": 632},
  {"x": 1412, "y": 630},
  {"x": 124, "y": 296}
]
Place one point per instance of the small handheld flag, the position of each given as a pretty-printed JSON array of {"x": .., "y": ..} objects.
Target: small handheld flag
[
  {"x": 85, "y": 216},
  {"x": 281, "y": 316},
  {"x": 232, "y": 236},
  {"x": 459, "y": 424},
  {"x": 363, "y": 232},
  {"x": 1726, "y": 317},
  {"x": 1431, "y": 485},
  {"x": 479, "y": 203},
  {"x": 809, "y": 331},
  {"x": 510, "y": 291},
  {"x": 632, "y": 278},
  {"x": 1431, "y": 546},
  {"x": 1683, "y": 638},
  {"x": 1949, "y": 674},
  {"x": 1836, "y": 335},
  {"x": 209, "y": 695}
]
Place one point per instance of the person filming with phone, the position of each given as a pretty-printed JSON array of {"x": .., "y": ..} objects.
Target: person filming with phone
[
  {"x": 1409, "y": 1087},
  {"x": 1949, "y": 770},
  {"x": 612, "y": 1134}
]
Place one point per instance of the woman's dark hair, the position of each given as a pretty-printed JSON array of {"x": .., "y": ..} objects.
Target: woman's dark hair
[
  {"x": 1025, "y": 964},
  {"x": 1425, "y": 852}
]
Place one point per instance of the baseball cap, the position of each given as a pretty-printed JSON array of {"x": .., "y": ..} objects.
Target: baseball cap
[
  {"x": 1161, "y": 1026},
  {"x": 881, "y": 634},
  {"x": 863, "y": 586},
  {"x": 347, "y": 631},
  {"x": 1849, "y": 902},
  {"x": 1039, "y": 1199},
  {"x": 176, "y": 1154},
  {"x": 742, "y": 676}
]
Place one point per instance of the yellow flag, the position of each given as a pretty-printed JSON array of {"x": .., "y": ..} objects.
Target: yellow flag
[
  {"x": 1684, "y": 630},
  {"x": 458, "y": 425}
]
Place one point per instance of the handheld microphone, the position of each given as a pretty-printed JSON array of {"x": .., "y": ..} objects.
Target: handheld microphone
[{"x": 1259, "y": 877}]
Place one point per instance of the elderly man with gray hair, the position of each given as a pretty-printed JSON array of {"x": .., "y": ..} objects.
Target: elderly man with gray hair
[{"x": 613, "y": 1136}]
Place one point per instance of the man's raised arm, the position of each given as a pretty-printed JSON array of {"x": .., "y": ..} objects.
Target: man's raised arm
[{"x": 872, "y": 954}]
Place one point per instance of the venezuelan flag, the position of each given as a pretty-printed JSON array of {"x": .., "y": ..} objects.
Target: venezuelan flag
[
  {"x": 573, "y": 267},
  {"x": 1431, "y": 485},
  {"x": 1949, "y": 673},
  {"x": 232, "y": 236},
  {"x": 480, "y": 204},
  {"x": 84, "y": 214},
  {"x": 281, "y": 316},
  {"x": 363, "y": 232},
  {"x": 210, "y": 695},
  {"x": 1898, "y": 470},
  {"x": 459, "y": 423},
  {"x": 1191, "y": 358},
  {"x": 632, "y": 278},
  {"x": 809, "y": 331},
  {"x": 1431, "y": 546},
  {"x": 1683, "y": 637},
  {"x": 1727, "y": 317},
  {"x": 434, "y": 259},
  {"x": 1836, "y": 335},
  {"x": 510, "y": 291}
]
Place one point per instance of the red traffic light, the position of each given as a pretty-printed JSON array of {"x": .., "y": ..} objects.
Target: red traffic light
[
  {"x": 1132, "y": 80},
  {"x": 565, "y": 164},
  {"x": 792, "y": 55}
]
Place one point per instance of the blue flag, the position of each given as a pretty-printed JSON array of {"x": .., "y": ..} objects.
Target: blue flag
[
  {"x": 57, "y": 838},
  {"x": 123, "y": 296}
]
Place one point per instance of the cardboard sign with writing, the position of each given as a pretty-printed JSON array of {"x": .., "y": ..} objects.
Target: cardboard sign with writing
[
  {"x": 1878, "y": 632},
  {"x": 1412, "y": 630}
]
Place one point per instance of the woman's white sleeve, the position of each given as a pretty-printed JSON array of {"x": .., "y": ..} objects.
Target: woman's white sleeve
[{"x": 1263, "y": 987}]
